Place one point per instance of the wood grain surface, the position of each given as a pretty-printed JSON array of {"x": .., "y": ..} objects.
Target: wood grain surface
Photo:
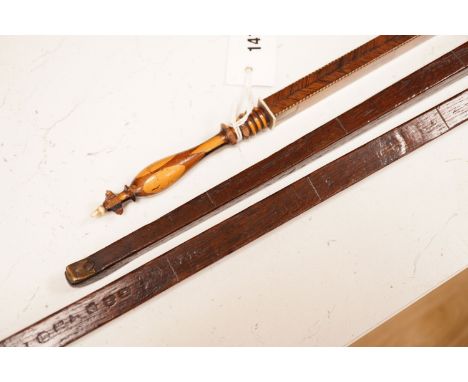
[
  {"x": 290, "y": 157},
  {"x": 288, "y": 98},
  {"x": 161, "y": 174},
  {"x": 438, "y": 319},
  {"x": 118, "y": 297}
]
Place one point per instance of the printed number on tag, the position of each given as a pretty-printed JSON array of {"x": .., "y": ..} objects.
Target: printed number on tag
[{"x": 256, "y": 52}]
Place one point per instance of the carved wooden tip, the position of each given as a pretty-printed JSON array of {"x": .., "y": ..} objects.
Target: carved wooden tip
[
  {"x": 258, "y": 120},
  {"x": 79, "y": 271},
  {"x": 114, "y": 202}
]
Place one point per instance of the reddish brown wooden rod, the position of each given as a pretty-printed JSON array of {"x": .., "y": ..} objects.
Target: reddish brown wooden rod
[
  {"x": 294, "y": 97},
  {"x": 286, "y": 159},
  {"x": 188, "y": 258}
]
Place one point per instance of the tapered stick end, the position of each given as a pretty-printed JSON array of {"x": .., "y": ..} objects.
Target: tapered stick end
[
  {"x": 79, "y": 271},
  {"x": 98, "y": 212}
]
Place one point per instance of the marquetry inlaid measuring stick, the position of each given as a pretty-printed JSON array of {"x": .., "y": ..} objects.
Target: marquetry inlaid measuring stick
[
  {"x": 351, "y": 122},
  {"x": 269, "y": 112},
  {"x": 118, "y": 297}
]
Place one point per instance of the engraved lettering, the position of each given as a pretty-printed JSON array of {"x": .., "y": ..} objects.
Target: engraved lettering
[
  {"x": 124, "y": 292},
  {"x": 43, "y": 337},
  {"x": 59, "y": 325},
  {"x": 109, "y": 300},
  {"x": 91, "y": 308}
]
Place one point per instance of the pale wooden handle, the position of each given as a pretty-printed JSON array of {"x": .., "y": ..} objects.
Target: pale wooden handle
[{"x": 163, "y": 173}]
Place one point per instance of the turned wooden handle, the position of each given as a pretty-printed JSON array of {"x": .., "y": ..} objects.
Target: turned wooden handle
[{"x": 163, "y": 173}]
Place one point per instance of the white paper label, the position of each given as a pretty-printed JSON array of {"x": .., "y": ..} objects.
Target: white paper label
[{"x": 256, "y": 52}]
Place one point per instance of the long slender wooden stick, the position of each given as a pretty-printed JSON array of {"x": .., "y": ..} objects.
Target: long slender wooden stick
[
  {"x": 351, "y": 122},
  {"x": 188, "y": 258}
]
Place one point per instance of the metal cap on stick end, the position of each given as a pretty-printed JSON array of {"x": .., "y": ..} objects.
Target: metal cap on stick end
[{"x": 79, "y": 271}]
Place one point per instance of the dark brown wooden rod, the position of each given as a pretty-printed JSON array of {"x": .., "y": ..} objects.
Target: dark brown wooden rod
[
  {"x": 118, "y": 297},
  {"x": 161, "y": 174},
  {"x": 286, "y": 159}
]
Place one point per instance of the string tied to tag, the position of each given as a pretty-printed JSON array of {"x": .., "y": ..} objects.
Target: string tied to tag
[{"x": 246, "y": 104}]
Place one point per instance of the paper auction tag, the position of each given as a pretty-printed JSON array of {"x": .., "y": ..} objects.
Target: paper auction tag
[{"x": 256, "y": 52}]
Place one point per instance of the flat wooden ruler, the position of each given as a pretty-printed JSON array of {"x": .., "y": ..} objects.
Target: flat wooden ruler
[
  {"x": 118, "y": 297},
  {"x": 295, "y": 154}
]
